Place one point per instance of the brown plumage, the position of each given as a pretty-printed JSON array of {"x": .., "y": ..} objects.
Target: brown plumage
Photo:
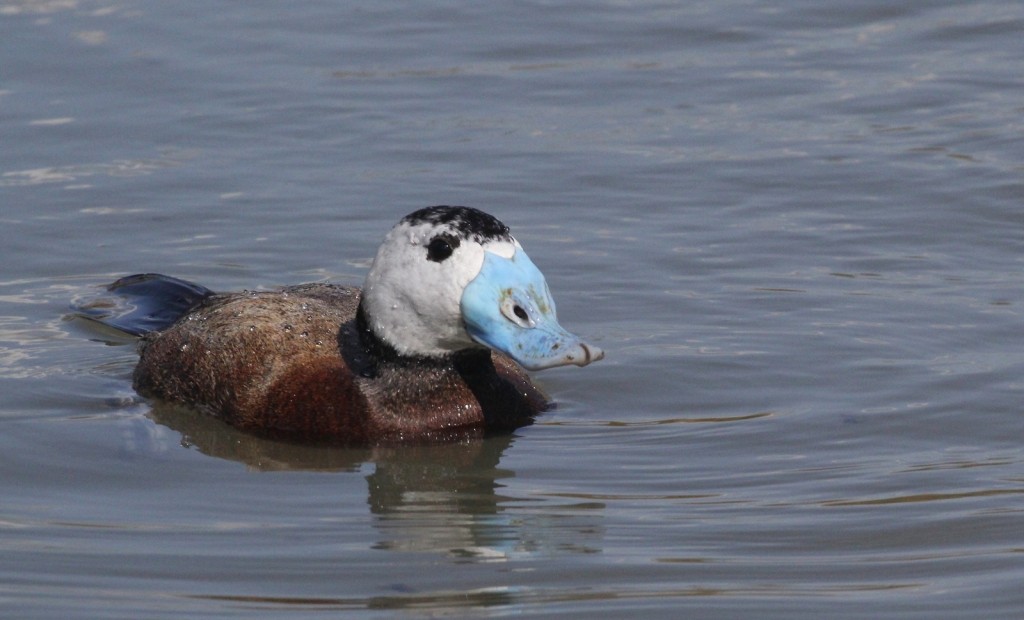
[{"x": 300, "y": 363}]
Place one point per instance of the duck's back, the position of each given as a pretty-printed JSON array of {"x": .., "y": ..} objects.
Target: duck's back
[{"x": 293, "y": 362}]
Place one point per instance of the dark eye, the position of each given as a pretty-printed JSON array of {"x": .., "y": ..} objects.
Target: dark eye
[
  {"x": 519, "y": 312},
  {"x": 441, "y": 247}
]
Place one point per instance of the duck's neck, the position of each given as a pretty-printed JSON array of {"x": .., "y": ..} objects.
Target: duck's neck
[{"x": 383, "y": 353}]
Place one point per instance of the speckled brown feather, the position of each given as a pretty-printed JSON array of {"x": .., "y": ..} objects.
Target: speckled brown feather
[{"x": 295, "y": 363}]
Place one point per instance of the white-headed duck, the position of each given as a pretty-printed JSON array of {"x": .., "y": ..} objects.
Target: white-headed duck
[{"x": 451, "y": 312}]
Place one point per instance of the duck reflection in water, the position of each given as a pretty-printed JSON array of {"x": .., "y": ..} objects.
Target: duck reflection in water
[{"x": 439, "y": 498}]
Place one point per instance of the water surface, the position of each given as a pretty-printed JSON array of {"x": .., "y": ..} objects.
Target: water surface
[{"x": 796, "y": 229}]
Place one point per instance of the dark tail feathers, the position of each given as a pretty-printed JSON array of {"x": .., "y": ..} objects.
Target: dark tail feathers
[{"x": 144, "y": 303}]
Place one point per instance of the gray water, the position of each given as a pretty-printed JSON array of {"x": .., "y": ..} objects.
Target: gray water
[{"x": 796, "y": 228}]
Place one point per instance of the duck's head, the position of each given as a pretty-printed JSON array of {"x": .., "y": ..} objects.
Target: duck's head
[{"x": 447, "y": 279}]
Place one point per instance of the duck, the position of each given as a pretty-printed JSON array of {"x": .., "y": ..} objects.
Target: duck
[{"x": 437, "y": 343}]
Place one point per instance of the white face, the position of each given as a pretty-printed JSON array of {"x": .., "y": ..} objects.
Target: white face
[
  {"x": 412, "y": 301},
  {"x": 452, "y": 278}
]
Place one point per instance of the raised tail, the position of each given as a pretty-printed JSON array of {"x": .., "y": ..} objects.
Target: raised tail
[{"x": 143, "y": 303}]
